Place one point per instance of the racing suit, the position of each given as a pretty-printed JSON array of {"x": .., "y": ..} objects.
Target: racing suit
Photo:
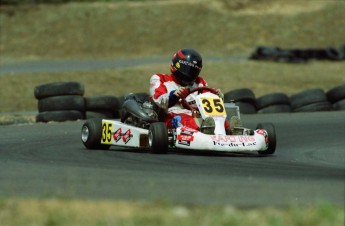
[{"x": 162, "y": 87}]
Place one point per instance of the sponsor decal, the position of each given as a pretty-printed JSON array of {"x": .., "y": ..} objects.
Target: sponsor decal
[
  {"x": 189, "y": 64},
  {"x": 177, "y": 65},
  {"x": 261, "y": 131},
  {"x": 186, "y": 129},
  {"x": 187, "y": 132},
  {"x": 233, "y": 141},
  {"x": 185, "y": 138},
  {"x": 117, "y": 135},
  {"x": 234, "y": 144},
  {"x": 125, "y": 136},
  {"x": 182, "y": 142},
  {"x": 265, "y": 134}
]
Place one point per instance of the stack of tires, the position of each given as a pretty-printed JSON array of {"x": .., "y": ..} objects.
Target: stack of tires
[
  {"x": 273, "y": 103},
  {"x": 298, "y": 55},
  {"x": 60, "y": 101},
  {"x": 336, "y": 96},
  {"x": 106, "y": 107},
  {"x": 65, "y": 101},
  {"x": 310, "y": 100},
  {"x": 244, "y": 98}
]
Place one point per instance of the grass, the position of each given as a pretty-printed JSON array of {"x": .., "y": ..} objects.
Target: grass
[
  {"x": 59, "y": 212},
  {"x": 155, "y": 28}
]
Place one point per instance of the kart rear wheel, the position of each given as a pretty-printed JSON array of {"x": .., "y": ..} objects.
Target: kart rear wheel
[
  {"x": 272, "y": 141},
  {"x": 158, "y": 138},
  {"x": 91, "y": 134}
]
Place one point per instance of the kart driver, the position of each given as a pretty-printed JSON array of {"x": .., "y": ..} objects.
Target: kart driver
[{"x": 167, "y": 91}]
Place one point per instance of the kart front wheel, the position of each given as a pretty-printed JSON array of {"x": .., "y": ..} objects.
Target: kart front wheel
[
  {"x": 158, "y": 138},
  {"x": 91, "y": 134},
  {"x": 272, "y": 140}
]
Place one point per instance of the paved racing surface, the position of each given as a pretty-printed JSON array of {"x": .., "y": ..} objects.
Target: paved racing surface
[{"x": 49, "y": 160}]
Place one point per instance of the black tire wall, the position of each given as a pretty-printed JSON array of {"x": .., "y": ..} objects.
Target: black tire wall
[
  {"x": 60, "y": 101},
  {"x": 63, "y": 101}
]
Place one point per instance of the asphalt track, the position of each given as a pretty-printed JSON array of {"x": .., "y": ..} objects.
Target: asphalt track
[{"x": 49, "y": 160}]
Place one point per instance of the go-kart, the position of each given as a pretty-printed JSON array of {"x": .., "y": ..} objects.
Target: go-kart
[{"x": 142, "y": 126}]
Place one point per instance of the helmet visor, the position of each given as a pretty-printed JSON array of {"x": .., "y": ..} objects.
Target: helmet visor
[{"x": 187, "y": 78}]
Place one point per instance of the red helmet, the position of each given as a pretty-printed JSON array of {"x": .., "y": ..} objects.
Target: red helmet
[{"x": 186, "y": 66}]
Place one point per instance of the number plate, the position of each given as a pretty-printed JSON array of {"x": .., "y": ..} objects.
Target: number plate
[
  {"x": 212, "y": 106},
  {"x": 106, "y": 132}
]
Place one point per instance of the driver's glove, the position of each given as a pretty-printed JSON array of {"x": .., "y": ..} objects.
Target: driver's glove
[
  {"x": 182, "y": 92},
  {"x": 219, "y": 93},
  {"x": 177, "y": 94}
]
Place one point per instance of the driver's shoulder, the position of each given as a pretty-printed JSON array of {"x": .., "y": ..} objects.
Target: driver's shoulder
[
  {"x": 163, "y": 77},
  {"x": 201, "y": 81}
]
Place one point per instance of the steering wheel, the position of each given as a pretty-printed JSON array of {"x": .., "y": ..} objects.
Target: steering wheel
[{"x": 186, "y": 105}]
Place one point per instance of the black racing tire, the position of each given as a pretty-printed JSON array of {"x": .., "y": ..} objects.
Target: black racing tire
[
  {"x": 91, "y": 134},
  {"x": 279, "y": 108},
  {"x": 335, "y": 94},
  {"x": 307, "y": 97},
  {"x": 158, "y": 138},
  {"x": 110, "y": 103},
  {"x": 246, "y": 108},
  {"x": 319, "y": 106},
  {"x": 272, "y": 139},
  {"x": 59, "y": 116},
  {"x": 60, "y": 103},
  {"x": 58, "y": 89},
  {"x": 339, "y": 106},
  {"x": 272, "y": 99},
  {"x": 240, "y": 95}
]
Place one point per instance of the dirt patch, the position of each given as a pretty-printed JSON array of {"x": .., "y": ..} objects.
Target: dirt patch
[
  {"x": 285, "y": 7},
  {"x": 17, "y": 119},
  {"x": 243, "y": 7}
]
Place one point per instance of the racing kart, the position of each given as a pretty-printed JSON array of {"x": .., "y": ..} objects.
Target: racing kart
[{"x": 142, "y": 126}]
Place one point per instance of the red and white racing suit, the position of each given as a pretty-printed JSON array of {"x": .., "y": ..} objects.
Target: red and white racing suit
[{"x": 161, "y": 88}]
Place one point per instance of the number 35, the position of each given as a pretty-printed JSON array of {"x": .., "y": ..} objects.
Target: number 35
[{"x": 213, "y": 105}]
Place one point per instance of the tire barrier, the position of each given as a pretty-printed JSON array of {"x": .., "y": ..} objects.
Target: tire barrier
[
  {"x": 59, "y": 116},
  {"x": 298, "y": 55},
  {"x": 336, "y": 96},
  {"x": 58, "y": 89},
  {"x": 309, "y": 100},
  {"x": 102, "y": 107},
  {"x": 60, "y": 101},
  {"x": 273, "y": 103},
  {"x": 244, "y": 98},
  {"x": 64, "y": 101}
]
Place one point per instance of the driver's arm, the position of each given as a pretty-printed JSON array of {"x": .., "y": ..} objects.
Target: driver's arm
[
  {"x": 176, "y": 95},
  {"x": 160, "y": 95},
  {"x": 158, "y": 92}
]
